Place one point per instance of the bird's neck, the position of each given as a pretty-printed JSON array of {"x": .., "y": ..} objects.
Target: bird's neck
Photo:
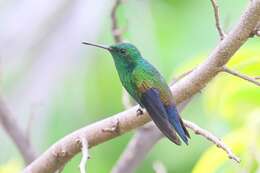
[{"x": 124, "y": 67}]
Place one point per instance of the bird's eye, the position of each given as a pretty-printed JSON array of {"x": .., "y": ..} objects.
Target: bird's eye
[{"x": 123, "y": 51}]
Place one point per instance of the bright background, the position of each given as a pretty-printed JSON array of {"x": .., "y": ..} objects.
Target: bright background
[{"x": 47, "y": 74}]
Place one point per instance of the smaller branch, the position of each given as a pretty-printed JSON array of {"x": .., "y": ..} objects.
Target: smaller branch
[
  {"x": 116, "y": 31},
  {"x": 257, "y": 77},
  {"x": 208, "y": 135},
  {"x": 242, "y": 76},
  {"x": 85, "y": 155},
  {"x": 217, "y": 19},
  {"x": 12, "y": 128},
  {"x": 159, "y": 167}
]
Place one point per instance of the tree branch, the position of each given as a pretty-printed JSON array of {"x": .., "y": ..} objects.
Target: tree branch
[
  {"x": 116, "y": 31},
  {"x": 19, "y": 138},
  {"x": 217, "y": 19},
  {"x": 242, "y": 76},
  {"x": 62, "y": 151}
]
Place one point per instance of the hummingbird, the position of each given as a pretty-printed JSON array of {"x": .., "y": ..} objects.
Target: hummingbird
[{"x": 148, "y": 88}]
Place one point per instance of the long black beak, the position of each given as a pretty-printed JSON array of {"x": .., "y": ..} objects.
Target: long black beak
[{"x": 97, "y": 45}]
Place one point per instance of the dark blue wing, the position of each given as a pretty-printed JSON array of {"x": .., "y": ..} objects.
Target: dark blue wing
[{"x": 150, "y": 99}]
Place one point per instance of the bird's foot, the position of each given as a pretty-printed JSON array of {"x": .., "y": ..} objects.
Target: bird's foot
[{"x": 139, "y": 112}]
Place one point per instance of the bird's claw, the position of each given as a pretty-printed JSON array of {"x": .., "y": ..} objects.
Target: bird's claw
[{"x": 139, "y": 112}]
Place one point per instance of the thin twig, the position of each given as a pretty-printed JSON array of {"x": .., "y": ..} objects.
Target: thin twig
[
  {"x": 242, "y": 76},
  {"x": 217, "y": 19},
  {"x": 158, "y": 167},
  {"x": 218, "y": 142},
  {"x": 257, "y": 77},
  {"x": 85, "y": 155},
  {"x": 116, "y": 31},
  {"x": 8, "y": 122}
]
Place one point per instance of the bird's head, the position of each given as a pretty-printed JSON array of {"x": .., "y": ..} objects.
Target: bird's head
[{"x": 125, "y": 54}]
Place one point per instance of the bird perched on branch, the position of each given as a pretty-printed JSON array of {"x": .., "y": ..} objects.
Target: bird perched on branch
[{"x": 147, "y": 86}]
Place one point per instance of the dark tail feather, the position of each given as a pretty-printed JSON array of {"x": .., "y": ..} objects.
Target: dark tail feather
[
  {"x": 151, "y": 101},
  {"x": 177, "y": 123}
]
